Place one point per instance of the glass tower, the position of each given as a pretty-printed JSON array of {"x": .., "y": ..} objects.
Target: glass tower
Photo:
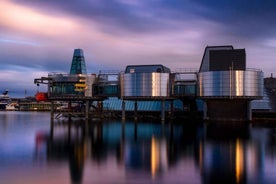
[{"x": 78, "y": 63}]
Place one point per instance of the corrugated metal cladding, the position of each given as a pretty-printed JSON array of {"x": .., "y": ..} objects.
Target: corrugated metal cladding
[
  {"x": 226, "y": 84},
  {"x": 221, "y": 60},
  {"x": 145, "y": 84},
  {"x": 115, "y": 104}
]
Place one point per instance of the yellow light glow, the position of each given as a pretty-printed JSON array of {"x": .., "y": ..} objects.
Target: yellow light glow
[
  {"x": 201, "y": 155},
  {"x": 239, "y": 161},
  {"x": 154, "y": 92},
  {"x": 80, "y": 85},
  {"x": 155, "y": 158},
  {"x": 238, "y": 83}
]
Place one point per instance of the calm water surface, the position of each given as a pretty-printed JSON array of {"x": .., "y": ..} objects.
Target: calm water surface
[{"x": 112, "y": 152}]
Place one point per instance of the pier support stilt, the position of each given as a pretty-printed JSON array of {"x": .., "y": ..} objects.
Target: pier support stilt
[
  {"x": 135, "y": 111},
  {"x": 163, "y": 112},
  {"x": 69, "y": 130},
  {"x": 87, "y": 117},
  {"x": 52, "y": 111},
  {"x": 101, "y": 110},
  {"x": 135, "y": 131},
  {"x": 249, "y": 111},
  {"x": 87, "y": 107},
  {"x": 70, "y": 109},
  {"x": 204, "y": 110},
  {"x": 52, "y": 129},
  {"x": 172, "y": 109},
  {"x": 123, "y": 110},
  {"x": 123, "y": 132}
]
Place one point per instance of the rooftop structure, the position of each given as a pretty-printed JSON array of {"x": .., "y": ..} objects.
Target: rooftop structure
[
  {"x": 78, "y": 63},
  {"x": 147, "y": 69},
  {"x": 205, "y": 62},
  {"x": 226, "y": 85},
  {"x": 145, "y": 81}
]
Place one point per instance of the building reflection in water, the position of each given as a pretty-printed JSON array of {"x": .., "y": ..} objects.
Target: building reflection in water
[
  {"x": 65, "y": 143},
  {"x": 158, "y": 156},
  {"x": 224, "y": 153},
  {"x": 145, "y": 149},
  {"x": 220, "y": 153}
]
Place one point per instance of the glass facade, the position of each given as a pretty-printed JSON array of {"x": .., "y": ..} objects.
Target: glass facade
[
  {"x": 180, "y": 90},
  {"x": 58, "y": 89},
  {"x": 106, "y": 90},
  {"x": 78, "y": 63},
  {"x": 63, "y": 84}
]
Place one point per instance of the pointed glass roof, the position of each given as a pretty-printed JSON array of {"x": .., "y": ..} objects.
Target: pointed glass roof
[{"x": 78, "y": 63}]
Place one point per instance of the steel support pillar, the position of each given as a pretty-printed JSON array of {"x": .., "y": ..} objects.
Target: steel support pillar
[
  {"x": 172, "y": 109},
  {"x": 205, "y": 109},
  {"x": 135, "y": 110},
  {"x": 123, "y": 110},
  {"x": 87, "y": 107},
  {"x": 52, "y": 111},
  {"x": 249, "y": 111},
  {"x": 163, "y": 111}
]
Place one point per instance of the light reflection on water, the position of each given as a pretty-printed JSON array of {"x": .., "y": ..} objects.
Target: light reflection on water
[{"x": 112, "y": 152}]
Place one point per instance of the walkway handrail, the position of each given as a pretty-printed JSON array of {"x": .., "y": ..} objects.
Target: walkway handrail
[{"x": 184, "y": 70}]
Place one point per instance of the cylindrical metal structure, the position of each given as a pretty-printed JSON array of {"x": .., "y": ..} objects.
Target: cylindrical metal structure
[
  {"x": 231, "y": 84},
  {"x": 145, "y": 84}
]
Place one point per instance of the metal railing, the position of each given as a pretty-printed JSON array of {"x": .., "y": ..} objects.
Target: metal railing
[{"x": 184, "y": 70}]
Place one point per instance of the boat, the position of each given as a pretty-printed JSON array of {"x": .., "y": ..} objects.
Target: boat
[
  {"x": 4, "y": 100},
  {"x": 12, "y": 106}
]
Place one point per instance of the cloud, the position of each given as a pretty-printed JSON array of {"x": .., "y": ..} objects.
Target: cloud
[
  {"x": 153, "y": 47},
  {"x": 119, "y": 15},
  {"x": 137, "y": 32},
  {"x": 247, "y": 19}
]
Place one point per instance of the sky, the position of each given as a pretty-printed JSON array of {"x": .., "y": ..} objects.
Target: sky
[{"x": 38, "y": 37}]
